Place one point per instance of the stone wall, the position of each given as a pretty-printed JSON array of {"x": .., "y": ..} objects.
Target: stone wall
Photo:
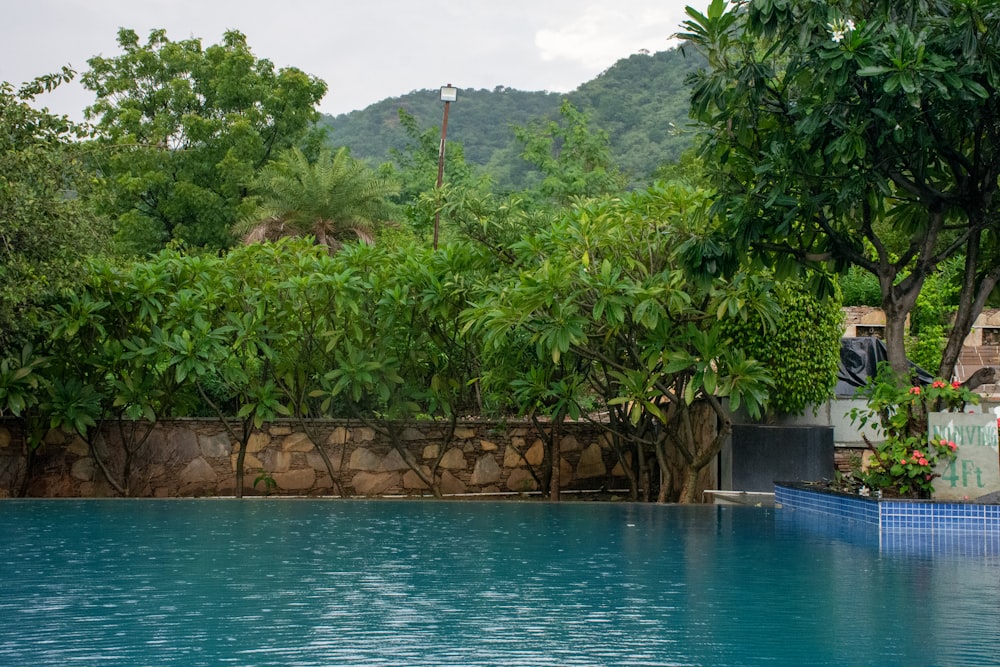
[{"x": 196, "y": 457}]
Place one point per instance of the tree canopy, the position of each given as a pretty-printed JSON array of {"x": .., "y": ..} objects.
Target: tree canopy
[
  {"x": 185, "y": 128},
  {"x": 601, "y": 303},
  {"x": 333, "y": 199},
  {"x": 574, "y": 160},
  {"x": 45, "y": 229},
  {"x": 641, "y": 101},
  {"x": 858, "y": 133}
]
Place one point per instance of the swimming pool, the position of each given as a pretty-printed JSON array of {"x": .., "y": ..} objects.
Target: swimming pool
[{"x": 313, "y": 582}]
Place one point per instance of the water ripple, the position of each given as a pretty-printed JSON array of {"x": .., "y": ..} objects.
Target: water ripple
[{"x": 473, "y": 585}]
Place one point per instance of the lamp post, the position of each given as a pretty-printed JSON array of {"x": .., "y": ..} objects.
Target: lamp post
[{"x": 449, "y": 94}]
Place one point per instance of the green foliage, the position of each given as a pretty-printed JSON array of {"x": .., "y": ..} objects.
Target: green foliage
[
  {"x": 110, "y": 361},
  {"x": 45, "y": 230},
  {"x": 19, "y": 382},
  {"x": 415, "y": 167},
  {"x": 333, "y": 199},
  {"x": 601, "y": 298},
  {"x": 183, "y": 129},
  {"x": 904, "y": 461},
  {"x": 574, "y": 160},
  {"x": 801, "y": 350},
  {"x": 404, "y": 353},
  {"x": 641, "y": 101},
  {"x": 267, "y": 480},
  {"x": 858, "y": 134},
  {"x": 860, "y": 288},
  {"x": 496, "y": 221},
  {"x": 481, "y": 119},
  {"x": 933, "y": 314}
]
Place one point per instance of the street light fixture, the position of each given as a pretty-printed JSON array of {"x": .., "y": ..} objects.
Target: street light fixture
[{"x": 449, "y": 94}]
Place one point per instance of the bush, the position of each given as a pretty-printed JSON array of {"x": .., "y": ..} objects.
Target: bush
[
  {"x": 801, "y": 353},
  {"x": 903, "y": 463}
]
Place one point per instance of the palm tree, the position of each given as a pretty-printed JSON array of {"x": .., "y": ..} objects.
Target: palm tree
[{"x": 335, "y": 198}]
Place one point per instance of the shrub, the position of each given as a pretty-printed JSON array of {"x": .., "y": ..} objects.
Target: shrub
[{"x": 903, "y": 463}]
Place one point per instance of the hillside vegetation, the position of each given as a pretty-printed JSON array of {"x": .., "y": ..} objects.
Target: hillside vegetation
[{"x": 641, "y": 102}]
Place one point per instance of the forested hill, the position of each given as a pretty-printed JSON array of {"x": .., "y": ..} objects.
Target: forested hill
[{"x": 641, "y": 102}]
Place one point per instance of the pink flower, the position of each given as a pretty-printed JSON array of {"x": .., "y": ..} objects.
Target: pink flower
[
  {"x": 917, "y": 455},
  {"x": 915, "y": 391},
  {"x": 956, "y": 384},
  {"x": 902, "y": 461},
  {"x": 927, "y": 477},
  {"x": 923, "y": 462},
  {"x": 938, "y": 384},
  {"x": 952, "y": 445}
]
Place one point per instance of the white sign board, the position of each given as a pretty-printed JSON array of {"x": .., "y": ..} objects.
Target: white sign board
[{"x": 976, "y": 470}]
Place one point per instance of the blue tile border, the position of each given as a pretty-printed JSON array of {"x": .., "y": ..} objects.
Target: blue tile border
[{"x": 910, "y": 525}]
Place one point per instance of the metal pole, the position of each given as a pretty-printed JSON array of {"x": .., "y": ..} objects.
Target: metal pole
[{"x": 444, "y": 134}]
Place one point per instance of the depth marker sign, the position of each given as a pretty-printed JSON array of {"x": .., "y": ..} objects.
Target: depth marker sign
[{"x": 976, "y": 470}]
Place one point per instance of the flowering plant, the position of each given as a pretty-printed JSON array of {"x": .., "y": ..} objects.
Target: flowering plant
[
  {"x": 904, "y": 462},
  {"x": 897, "y": 468}
]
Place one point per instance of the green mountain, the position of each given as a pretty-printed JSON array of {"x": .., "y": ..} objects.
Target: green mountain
[{"x": 641, "y": 102}]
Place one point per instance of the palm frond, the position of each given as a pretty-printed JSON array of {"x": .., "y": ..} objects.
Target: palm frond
[{"x": 335, "y": 198}]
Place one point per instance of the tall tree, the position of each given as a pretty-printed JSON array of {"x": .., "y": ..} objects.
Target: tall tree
[
  {"x": 45, "y": 230},
  {"x": 602, "y": 298},
  {"x": 185, "y": 129},
  {"x": 859, "y": 133},
  {"x": 415, "y": 168},
  {"x": 574, "y": 160},
  {"x": 332, "y": 199}
]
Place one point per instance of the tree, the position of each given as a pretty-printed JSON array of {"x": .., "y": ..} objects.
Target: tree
[
  {"x": 317, "y": 296},
  {"x": 402, "y": 353},
  {"x": 331, "y": 199},
  {"x": 603, "y": 297},
  {"x": 183, "y": 130},
  {"x": 225, "y": 336},
  {"x": 415, "y": 168},
  {"x": 859, "y": 133},
  {"x": 45, "y": 230},
  {"x": 574, "y": 160},
  {"x": 109, "y": 379},
  {"x": 547, "y": 393}
]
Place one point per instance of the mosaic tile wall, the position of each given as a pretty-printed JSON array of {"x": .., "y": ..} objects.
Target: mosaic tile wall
[
  {"x": 859, "y": 509},
  {"x": 911, "y": 527}
]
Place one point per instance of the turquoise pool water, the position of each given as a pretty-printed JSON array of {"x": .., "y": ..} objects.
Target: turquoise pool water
[{"x": 302, "y": 582}]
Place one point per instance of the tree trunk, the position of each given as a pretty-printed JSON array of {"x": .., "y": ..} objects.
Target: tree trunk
[
  {"x": 972, "y": 299},
  {"x": 29, "y": 463},
  {"x": 556, "y": 457},
  {"x": 415, "y": 466},
  {"x": 706, "y": 426},
  {"x": 321, "y": 450},
  {"x": 895, "y": 332},
  {"x": 689, "y": 492},
  {"x": 666, "y": 477},
  {"x": 240, "y": 458},
  {"x": 629, "y": 467},
  {"x": 102, "y": 465}
]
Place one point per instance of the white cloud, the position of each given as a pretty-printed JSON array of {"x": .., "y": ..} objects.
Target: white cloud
[
  {"x": 364, "y": 51},
  {"x": 603, "y": 34}
]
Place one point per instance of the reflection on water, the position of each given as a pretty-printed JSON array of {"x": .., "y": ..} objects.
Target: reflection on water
[{"x": 280, "y": 582}]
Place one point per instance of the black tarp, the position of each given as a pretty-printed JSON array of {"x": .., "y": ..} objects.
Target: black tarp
[{"x": 859, "y": 360}]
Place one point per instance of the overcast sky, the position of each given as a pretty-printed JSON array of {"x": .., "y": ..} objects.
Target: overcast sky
[{"x": 365, "y": 50}]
